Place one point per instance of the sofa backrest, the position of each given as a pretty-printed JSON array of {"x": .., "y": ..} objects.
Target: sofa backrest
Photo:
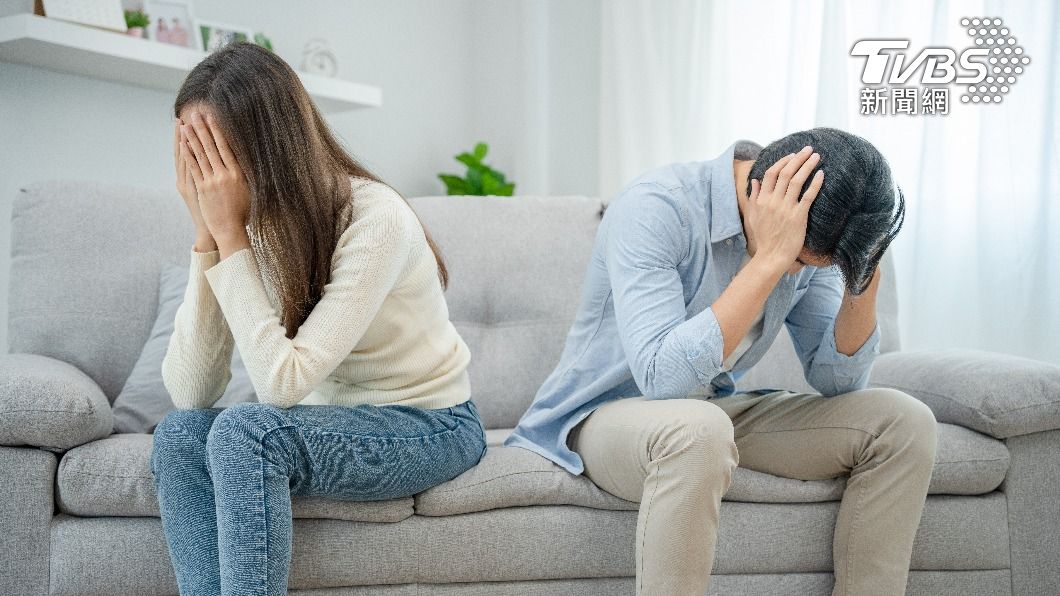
[
  {"x": 516, "y": 267},
  {"x": 85, "y": 264},
  {"x": 86, "y": 258}
]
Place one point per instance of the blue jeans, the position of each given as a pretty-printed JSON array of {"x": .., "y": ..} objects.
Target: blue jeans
[{"x": 225, "y": 477}]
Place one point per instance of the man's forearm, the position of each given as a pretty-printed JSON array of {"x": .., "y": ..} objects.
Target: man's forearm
[
  {"x": 741, "y": 300},
  {"x": 857, "y": 318}
]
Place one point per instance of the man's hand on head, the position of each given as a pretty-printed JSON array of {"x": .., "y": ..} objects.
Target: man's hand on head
[{"x": 775, "y": 215}]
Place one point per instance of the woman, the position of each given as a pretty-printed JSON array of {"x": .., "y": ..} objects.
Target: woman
[{"x": 326, "y": 281}]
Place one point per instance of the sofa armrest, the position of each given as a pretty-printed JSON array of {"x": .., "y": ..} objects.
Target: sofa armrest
[
  {"x": 48, "y": 403},
  {"x": 28, "y": 495},
  {"x": 996, "y": 394}
]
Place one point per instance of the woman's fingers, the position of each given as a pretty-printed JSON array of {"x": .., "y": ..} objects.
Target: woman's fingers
[
  {"x": 193, "y": 165},
  {"x": 189, "y": 180},
  {"x": 176, "y": 147},
  {"x": 205, "y": 136},
  {"x": 197, "y": 150},
  {"x": 223, "y": 149}
]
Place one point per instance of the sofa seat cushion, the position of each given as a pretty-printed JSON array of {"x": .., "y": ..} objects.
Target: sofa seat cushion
[
  {"x": 966, "y": 463},
  {"x": 112, "y": 477},
  {"x": 107, "y": 555}
]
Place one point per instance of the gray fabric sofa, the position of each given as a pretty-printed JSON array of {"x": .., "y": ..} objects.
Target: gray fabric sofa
[{"x": 80, "y": 515}]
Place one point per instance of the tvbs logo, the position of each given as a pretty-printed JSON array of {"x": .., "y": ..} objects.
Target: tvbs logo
[{"x": 989, "y": 67}]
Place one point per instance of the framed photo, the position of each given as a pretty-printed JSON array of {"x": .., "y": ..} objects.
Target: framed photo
[
  {"x": 104, "y": 14},
  {"x": 172, "y": 22},
  {"x": 214, "y": 35}
]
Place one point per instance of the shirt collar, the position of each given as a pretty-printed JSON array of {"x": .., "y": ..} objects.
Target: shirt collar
[{"x": 724, "y": 213}]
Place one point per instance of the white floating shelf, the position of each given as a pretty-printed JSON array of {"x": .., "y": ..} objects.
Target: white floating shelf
[{"x": 88, "y": 51}]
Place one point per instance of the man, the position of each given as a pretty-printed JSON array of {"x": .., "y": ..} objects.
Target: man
[{"x": 694, "y": 269}]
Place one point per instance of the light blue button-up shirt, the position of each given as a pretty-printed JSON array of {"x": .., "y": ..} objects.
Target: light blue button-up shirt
[{"x": 666, "y": 248}]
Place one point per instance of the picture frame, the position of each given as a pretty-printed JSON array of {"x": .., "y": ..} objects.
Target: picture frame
[
  {"x": 172, "y": 22},
  {"x": 214, "y": 35},
  {"x": 101, "y": 14}
]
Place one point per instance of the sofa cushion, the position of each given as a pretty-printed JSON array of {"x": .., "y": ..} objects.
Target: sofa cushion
[
  {"x": 112, "y": 477},
  {"x": 144, "y": 400},
  {"x": 1001, "y": 395},
  {"x": 524, "y": 543},
  {"x": 49, "y": 403},
  {"x": 515, "y": 267},
  {"x": 966, "y": 463}
]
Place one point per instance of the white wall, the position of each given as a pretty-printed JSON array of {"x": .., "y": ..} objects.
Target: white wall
[
  {"x": 537, "y": 92},
  {"x": 519, "y": 74}
]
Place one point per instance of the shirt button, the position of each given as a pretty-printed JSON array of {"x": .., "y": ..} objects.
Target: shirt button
[{"x": 728, "y": 242}]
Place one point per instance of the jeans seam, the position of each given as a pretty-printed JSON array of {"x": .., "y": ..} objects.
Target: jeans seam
[
  {"x": 384, "y": 438},
  {"x": 264, "y": 502}
]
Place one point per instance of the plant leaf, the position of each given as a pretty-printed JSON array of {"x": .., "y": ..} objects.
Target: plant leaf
[
  {"x": 480, "y": 151},
  {"x": 454, "y": 185},
  {"x": 474, "y": 181},
  {"x": 469, "y": 160},
  {"x": 490, "y": 184}
]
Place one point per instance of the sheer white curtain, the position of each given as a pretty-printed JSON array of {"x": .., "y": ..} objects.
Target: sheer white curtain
[{"x": 979, "y": 256}]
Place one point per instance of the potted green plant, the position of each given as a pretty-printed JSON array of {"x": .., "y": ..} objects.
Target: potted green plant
[
  {"x": 480, "y": 179},
  {"x": 262, "y": 40},
  {"x": 136, "y": 23}
]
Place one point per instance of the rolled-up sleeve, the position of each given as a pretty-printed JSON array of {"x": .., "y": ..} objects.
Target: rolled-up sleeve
[
  {"x": 811, "y": 324},
  {"x": 669, "y": 355}
]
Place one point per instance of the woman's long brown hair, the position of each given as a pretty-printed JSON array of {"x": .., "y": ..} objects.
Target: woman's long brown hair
[{"x": 298, "y": 173}]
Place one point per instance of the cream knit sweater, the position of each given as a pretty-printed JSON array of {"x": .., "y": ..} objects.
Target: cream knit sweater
[{"x": 380, "y": 333}]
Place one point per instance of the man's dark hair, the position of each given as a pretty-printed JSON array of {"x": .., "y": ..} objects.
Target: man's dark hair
[{"x": 853, "y": 219}]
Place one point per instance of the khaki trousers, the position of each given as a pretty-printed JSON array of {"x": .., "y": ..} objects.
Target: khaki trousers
[{"x": 676, "y": 458}]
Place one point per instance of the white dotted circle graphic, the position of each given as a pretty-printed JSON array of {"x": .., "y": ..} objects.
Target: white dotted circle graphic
[{"x": 1003, "y": 55}]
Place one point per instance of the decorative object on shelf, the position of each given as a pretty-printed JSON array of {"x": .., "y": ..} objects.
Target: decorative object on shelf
[
  {"x": 263, "y": 41},
  {"x": 60, "y": 46},
  {"x": 217, "y": 35},
  {"x": 480, "y": 179},
  {"x": 172, "y": 22},
  {"x": 136, "y": 23},
  {"x": 104, "y": 14},
  {"x": 317, "y": 58}
]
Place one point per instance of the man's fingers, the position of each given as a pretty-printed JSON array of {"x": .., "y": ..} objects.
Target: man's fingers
[
  {"x": 769, "y": 180},
  {"x": 799, "y": 179},
  {"x": 789, "y": 170},
  {"x": 810, "y": 195},
  {"x": 755, "y": 186}
]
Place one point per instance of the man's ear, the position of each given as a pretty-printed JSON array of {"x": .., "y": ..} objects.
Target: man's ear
[{"x": 749, "y": 170}]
